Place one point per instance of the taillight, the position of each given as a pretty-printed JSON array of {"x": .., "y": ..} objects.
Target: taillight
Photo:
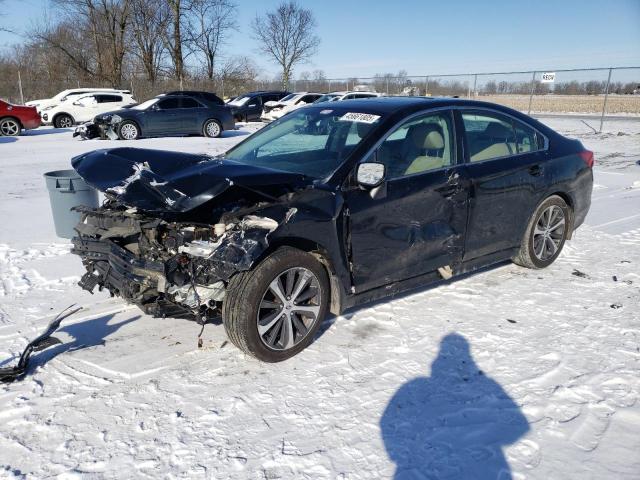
[{"x": 587, "y": 157}]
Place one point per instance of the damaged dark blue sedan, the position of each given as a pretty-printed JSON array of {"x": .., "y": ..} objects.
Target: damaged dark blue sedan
[{"x": 331, "y": 206}]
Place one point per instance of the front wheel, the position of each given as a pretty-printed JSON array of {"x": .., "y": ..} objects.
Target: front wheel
[
  {"x": 128, "y": 131},
  {"x": 212, "y": 129},
  {"x": 63, "y": 121},
  {"x": 546, "y": 234},
  {"x": 273, "y": 311}
]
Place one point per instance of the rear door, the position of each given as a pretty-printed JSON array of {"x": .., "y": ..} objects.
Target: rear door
[
  {"x": 416, "y": 221},
  {"x": 192, "y": 115},
  {"x": 505, "y": 163},
  {"x": 107, "y": 103}
]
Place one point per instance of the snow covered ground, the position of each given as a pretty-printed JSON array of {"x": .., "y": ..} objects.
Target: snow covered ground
[{"x": 533, "y": 374}]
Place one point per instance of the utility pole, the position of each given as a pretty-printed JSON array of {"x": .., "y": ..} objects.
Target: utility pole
[{"x": 20, "y": 87}]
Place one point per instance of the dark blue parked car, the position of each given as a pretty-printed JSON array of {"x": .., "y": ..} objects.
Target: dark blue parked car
[
  {"x": 331, "y": 206},
  {"x": 164, "y": 115}
]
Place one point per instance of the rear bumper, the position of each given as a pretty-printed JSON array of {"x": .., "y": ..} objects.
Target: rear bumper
[
  {"x": 581, "y": 196},
  {"x": 31, "y": 123}
]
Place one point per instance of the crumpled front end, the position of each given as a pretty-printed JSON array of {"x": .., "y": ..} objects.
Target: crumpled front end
[
  {"x": 103, "y": 126},
  {"x": 166, "y": 268}
]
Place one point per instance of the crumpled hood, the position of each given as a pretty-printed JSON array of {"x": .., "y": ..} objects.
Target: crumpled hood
[{"x": 163, "y": 182}]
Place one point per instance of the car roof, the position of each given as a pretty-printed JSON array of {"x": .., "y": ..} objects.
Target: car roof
[{"x": 407, "y": 105}]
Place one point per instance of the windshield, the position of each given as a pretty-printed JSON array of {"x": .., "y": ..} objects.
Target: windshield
[
  {"x": 145, "y": 105},
  {"x": 238, "y": 102},
  {"x": 288, "y": 97},
  {"x": 326, "y": 98},
  {"x": 310, "y": 141}
]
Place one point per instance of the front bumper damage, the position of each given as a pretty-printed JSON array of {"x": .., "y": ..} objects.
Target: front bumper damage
[
  {"x": 166, "y": 268},
  {"x": 103, "y": 128}
]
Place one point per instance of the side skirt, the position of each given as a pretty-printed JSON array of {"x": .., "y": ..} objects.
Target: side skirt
[{"x": 429, "y": 279}]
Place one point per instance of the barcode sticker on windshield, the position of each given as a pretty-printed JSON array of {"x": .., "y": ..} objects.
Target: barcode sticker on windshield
[{"x": 359, "y": 117}]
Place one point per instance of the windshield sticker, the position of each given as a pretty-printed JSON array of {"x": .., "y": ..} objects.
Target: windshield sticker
[
  {"x": 325, "y": 112},
  {"x": 359, "y": 117}
]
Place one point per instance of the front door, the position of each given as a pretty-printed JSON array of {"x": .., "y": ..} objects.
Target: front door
[
  {"x": 415, "y": 221},
  {"x": 165, "y": 117}
]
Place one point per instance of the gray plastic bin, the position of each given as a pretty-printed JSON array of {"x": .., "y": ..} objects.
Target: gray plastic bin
[{"x": 68, "y": 190}]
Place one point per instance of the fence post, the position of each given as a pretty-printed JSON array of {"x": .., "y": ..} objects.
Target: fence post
[
  {"x": 329, "y": 85},
  {"x": 426, "y": 86},
  {"x": 475, "y": 84},
  {"x": 533, "y": 89},
  {"x": 20, "y": 86},
  {"x": 606, "y": 96}
]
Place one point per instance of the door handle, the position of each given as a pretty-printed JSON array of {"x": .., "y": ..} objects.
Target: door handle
[{"x": 535, "y": 170}]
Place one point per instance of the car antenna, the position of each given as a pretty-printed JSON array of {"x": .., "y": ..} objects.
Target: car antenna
[{"x": 45, "y": 340}]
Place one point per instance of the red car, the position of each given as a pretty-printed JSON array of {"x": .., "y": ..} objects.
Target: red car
[{"x": 14, "y": 118}]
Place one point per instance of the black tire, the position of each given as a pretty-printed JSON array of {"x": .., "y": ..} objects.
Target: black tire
[
  {"x": 63, "y": 120},
  {"x": 131, "y": 130},
  {"x": 247, "y": 291},
  {"x": 212, "y": 128},
  {"x": 539, "y": 241},
  {"x": 10, "y": 127}
]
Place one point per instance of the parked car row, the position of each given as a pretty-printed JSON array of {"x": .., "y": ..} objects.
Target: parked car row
[{"x": 114, "y": 113}]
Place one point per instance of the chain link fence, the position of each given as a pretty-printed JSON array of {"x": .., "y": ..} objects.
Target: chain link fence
[{"x": 593, "y": 92}]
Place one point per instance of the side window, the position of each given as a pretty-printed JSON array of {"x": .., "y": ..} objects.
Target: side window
[
  {"x": 420, "y": 145},
  {"x": 169, "y": 104},
  {"x": 527, "y": 139},
  {"x": 255, "y": 101},
  {"x": 189, "y": 103},
  {"x": 489, "y": 135},
  {"x": 109, "y": 98}
]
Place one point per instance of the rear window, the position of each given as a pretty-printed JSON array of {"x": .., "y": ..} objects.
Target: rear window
[
  {"x": 189, "y": 103},
  {"x": 492, "y": 135}
]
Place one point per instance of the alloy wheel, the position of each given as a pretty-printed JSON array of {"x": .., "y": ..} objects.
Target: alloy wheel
[
  {"x": 129, "y": 131},
  {"x": 289, "y": 308},
  {"x": 65, "y": 122},
  {"x": 549, "y": 232},
  {"x": 213, "y": 129},
  {"x": 9, "y": 128}
]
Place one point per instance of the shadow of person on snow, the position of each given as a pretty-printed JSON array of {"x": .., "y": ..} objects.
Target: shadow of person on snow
[
  {"x": 89, "y": 333},
  {"x": 452, "y": 424}
]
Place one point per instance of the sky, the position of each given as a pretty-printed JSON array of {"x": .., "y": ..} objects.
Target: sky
[{"x": 423, "y": 37}]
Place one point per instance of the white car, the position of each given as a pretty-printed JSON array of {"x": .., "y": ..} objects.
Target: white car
[
  {"x": 339, "y": 96},
  {"x": 275, "y": 109},
  {"x": 65, "y": 95},
  {"x": 84, "y": 108}
]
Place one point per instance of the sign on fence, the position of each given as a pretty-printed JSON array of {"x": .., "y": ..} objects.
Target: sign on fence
[{"x": 548, "y": 77}]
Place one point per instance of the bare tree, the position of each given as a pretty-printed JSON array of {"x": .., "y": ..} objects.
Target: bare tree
[
  {"x": 174, "y": 38},
  {"x": 287, "y": 35},
  {"x": 211, "y": 23},
  {"x": 150, "y": 20},
  {"x": 92, "y": 36}
]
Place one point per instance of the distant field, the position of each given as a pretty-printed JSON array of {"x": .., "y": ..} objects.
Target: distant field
[{"x": 616, "y": 104}]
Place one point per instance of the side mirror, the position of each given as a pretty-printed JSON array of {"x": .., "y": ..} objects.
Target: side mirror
[{"x": 370, "y": 174}]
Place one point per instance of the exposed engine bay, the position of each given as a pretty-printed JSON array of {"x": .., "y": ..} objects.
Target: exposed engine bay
[{"x": 166, "y": 268}]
